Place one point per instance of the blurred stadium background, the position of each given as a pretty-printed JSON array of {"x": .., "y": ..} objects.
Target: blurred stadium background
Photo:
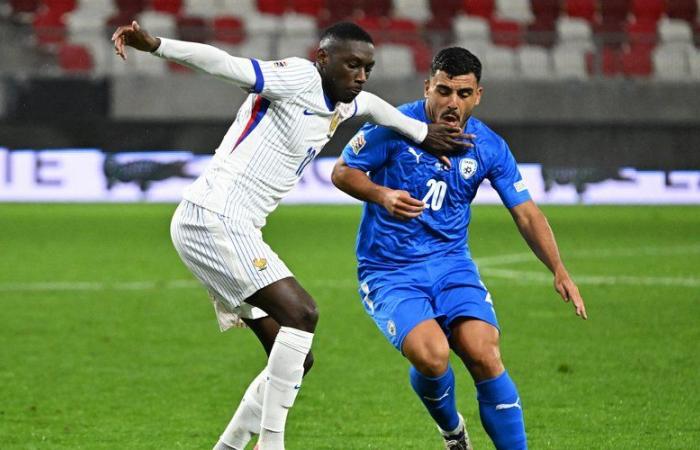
[{"x": 106, "y": 341}]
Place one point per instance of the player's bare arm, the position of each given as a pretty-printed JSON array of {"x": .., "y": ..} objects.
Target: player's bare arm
[
  {"x": 356, "y": 183},
  {"x": 538, "y": 234},
  {"x": 443, "y": 139}
]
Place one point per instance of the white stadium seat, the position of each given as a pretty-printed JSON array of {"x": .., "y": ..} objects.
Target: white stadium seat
[
  {"x": 671, "y": 62},
  {"x": 158, "y": 24},
  {"x": 535, "y": 62},
  {"x": 499, "y": 63},
  {"x": 393, "y": 61},
  {"x": 569, "y": 62},
  {"x": 416, "y": 10},
  {"x": 574, "y": 32},
  {"x": 471, "y": 29},
  {"x": 516, "y": 10}
]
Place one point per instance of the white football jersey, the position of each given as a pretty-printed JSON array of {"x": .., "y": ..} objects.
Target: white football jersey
[{"x": 280, "y": 128}]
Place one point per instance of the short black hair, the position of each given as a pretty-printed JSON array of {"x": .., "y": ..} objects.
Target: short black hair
[
  {"x": 456, "y": 61},
  {"x": 346, "y": 31}
]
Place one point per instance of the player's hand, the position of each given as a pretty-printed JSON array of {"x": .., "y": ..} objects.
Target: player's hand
[
  {"x": 133, "y": 36},
  {"x": 401, "y": 205},
  {"x": 444, "y": 139},
  {"x": 565, "y": 286}
]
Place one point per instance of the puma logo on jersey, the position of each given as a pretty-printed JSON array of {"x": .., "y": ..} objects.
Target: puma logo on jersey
[
  {"x": 509, "y": 405},
  {"x": 412, "y": 151}
]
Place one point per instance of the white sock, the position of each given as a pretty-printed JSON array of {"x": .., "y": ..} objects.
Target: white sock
[
  {"x": 285, "y": 369},
  {"x": 246, "y": 421}
]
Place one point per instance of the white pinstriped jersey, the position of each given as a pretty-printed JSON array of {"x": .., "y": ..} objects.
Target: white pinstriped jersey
[
  {"x": 278, "y": 131},
  {"x": 280, "y": 128}
]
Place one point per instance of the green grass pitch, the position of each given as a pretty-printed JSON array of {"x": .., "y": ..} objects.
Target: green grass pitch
[{"x": 106, "y": 343}]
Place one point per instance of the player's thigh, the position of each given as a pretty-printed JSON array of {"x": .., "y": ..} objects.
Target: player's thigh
[
  {"x": 288, "y": 303},
  {"x": 395, "y": 307}
]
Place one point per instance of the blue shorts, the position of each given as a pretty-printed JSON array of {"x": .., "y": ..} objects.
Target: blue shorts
[{"x": 443, "y": 289}]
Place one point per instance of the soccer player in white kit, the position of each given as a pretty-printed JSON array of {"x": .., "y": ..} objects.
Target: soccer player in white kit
[{"x": 293, "y": 109}]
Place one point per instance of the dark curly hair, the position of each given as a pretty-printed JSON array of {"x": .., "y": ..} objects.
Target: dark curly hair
[{"x": 456, "y": 61}]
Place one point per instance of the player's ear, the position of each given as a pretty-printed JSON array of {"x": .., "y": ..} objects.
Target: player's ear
[
  {"x": 426, "y": 88},
  {"x": 479, "y": 91},
  {"x": 321, "y": 57}
]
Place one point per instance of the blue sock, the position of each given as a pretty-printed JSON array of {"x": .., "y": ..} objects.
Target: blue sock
[
  {"x": 438, "y": 396},
  {"x": 501, "y": 413}
]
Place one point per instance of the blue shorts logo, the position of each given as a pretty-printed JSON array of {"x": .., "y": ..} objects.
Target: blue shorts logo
[{"x": 391, "y": 327}]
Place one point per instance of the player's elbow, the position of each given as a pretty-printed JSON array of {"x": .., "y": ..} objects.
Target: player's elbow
[{"x": 338, "y": 175}]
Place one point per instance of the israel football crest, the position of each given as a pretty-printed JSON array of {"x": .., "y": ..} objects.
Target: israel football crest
[
  {"x": 467, "y": 167},
  {"x": 391, "y": 327}
]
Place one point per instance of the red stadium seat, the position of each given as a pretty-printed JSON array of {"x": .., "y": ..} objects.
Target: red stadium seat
[
  {"x": 376, "y": 8},
  {"x": 193, "y": 29},
  {"x": 507, "y": 33},
  {"x": 229, "y": 29},
  {"x": 610, "y": 33},
  {"x": 75, "y": 59},
  {"x": 642, "y": 34},
  {"x": 276, "y": 7},
  {"x": 309, "y": 7},
  {"x": 545, "y": 8},
  {"x": 481, "y": 8},
  {"x": 422, "y": 56},
  {"x": 446, "y": 8},
  {"x": 648, "y": 10},
  {"x": 438, "y": 31},
  {"x": 335, "y": 11},
  {"x": 132, "y": 6},
  {"x": 542, "y": 33},
  {"x": 610, "y": 61},
  {"x": 60, "y": 6},
  {"x": 682, "y": 9},
  {"x": 402, "y": 31},
  {"x": 636, "y": 62},
  {"x": 376, "y": 27},
  {"x": 614, "y": 10},
  {"x": 24, "y": 6},
  {"x": 120, "y": 18},
  {"x": 167, "y": 6},
  {"x": 49, "y": 28},
  {"x": 583, "y": 9}
]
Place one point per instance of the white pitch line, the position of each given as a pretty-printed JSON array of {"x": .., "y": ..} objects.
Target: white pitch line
[
  {"x": 514, "y": 258},
  {"x": 544, "y": 278}
]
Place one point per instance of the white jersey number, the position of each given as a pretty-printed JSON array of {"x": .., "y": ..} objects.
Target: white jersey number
[{"x": 436, "y": 194}]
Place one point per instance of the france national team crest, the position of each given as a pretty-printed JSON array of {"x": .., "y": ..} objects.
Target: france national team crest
[{"x": 467, "y": 167}]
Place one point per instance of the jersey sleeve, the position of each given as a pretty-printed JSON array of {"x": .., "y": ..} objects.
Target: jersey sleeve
[
  {"x": 375, "y": 110},
  {"x": 277, "y": 80},
  {"x": 506, "y": 179},
  {"x": 369, "y": 149}
]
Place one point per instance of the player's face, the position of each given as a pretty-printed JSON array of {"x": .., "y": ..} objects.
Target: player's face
[
  {"x": 346, "y": 66},
  {"x": 450, "y": 100}
]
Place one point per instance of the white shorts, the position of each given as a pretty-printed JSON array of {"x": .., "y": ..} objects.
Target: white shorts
[{"x": 229, "y": 258}]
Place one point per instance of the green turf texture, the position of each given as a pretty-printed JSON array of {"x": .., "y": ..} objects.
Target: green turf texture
[{"x": 129, "y": 366}]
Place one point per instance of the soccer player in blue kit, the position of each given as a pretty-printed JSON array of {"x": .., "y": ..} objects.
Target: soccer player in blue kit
[{"x": 418, "y": 281}]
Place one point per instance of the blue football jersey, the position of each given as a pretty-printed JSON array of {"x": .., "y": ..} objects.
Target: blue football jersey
[{"x": 384, "y": 241}]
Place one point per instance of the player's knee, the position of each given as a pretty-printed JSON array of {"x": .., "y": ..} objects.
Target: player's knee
[
  {"x": 306, "y": 316},
  {"x": 486, "y": 361},
  {"x": 433, "y": 361}
]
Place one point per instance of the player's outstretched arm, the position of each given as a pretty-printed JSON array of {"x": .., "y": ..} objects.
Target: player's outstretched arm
[
  {"x": 356, "y": 183},
  {"x": 201, "y": 57},
  {"x": 535, "y": 229},
  {"x": 438, "y": 139}
]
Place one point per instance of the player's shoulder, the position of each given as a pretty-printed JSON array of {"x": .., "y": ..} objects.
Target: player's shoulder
[
  {"x": 293, "y": 64},
  {"x": 486, "y": 139}
]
